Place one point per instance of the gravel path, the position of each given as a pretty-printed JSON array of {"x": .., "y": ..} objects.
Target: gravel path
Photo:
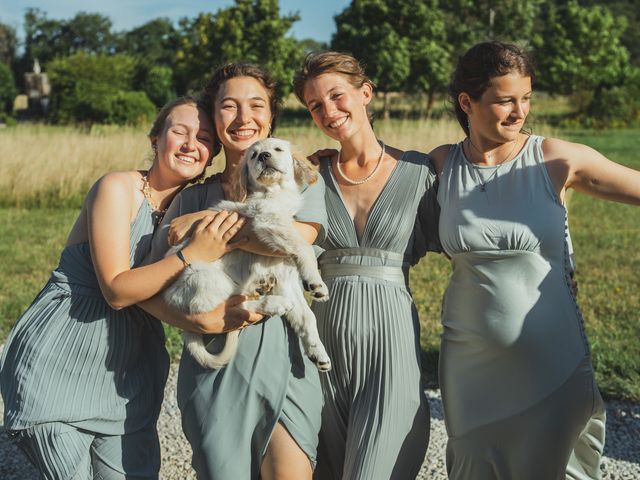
[{"x": 621, "y": 462}]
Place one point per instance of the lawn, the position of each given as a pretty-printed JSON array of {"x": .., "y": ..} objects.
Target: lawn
[{"x": 605, "y": 236}]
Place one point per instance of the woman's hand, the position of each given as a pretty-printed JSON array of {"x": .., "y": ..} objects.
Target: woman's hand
[
  {"x": 183, "y": 226},
  {"x": 211, "y": 237},
  {"x": 325, "y": 152},
  {"x": 232, "y": 317}
]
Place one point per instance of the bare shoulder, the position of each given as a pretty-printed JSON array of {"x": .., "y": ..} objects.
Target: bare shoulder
[
  {"x": 557, "y": 149},
  {"x": 439, "y": 155},
  {"x": 116, "y": 185}
]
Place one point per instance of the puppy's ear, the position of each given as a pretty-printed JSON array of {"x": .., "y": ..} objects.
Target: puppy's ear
[
  {"x": 237, "y": 188},
  {"x": 304, "y": 171}
]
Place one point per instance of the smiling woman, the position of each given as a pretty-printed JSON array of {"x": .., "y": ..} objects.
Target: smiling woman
[
  {"x": 518, "y": 389},
  {"x": 259, "y": 416},
  {"x": 83, "y": 370}
]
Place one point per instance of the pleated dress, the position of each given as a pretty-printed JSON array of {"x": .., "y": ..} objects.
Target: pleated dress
[
  {"x": 71, "y": 358},
  {"x": 228, "y": 414},
  {"x": 518, "y": 389},
  {"x": 375, "y": 422}
]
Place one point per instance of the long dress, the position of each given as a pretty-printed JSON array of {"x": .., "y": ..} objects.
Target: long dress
[
  {"x": 228, "y": 414},
  {"x": 71, "y": 358},
  {"x": 375, "y": 423},
  {"x": 517, "y": 383}
]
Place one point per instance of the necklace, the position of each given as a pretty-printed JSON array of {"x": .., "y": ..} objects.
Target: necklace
[
  {"x": 368, "y": 177},
  {"x": 483, "y": 182},
  {"x": 146, "y": 191}
]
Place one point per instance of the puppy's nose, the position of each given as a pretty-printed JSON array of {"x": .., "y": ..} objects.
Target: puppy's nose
[{"x": 264, "y": 156}]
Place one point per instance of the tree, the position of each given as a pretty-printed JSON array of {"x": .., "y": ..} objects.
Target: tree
[
  {"x": 7, "y": 89},
  {"x": 47, "y": 39},
  {"x": 401, "y": 42},
  {"x": 579, "y": 49},
  {"x": 156, "y": 41},
  {"x": 471, "y": 21},
  {"x": 250, "y": 30},
  {"x": 8, "y": 43}
]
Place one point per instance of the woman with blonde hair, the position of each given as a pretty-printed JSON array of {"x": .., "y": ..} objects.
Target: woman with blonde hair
[{"x": 375, "y": 421}]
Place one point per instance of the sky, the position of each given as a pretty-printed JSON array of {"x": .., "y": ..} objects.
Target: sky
[{"x": 316, "y": 15}]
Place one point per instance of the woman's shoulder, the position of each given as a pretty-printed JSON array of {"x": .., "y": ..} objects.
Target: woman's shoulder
[{"x": 117, "y": 184}]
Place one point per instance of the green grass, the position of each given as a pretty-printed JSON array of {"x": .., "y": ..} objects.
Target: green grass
[{"x": 605, "y": 237}]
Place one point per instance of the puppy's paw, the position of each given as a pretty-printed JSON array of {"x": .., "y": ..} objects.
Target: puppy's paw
[
  {"x": 261, "y": 286},
  {"x": 318, "y": 290},
  {"x": 318, "y": 355},
  {"x": 276, "y": 305}
]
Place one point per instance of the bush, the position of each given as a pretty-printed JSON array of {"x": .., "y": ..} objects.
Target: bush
[
  {"x": 616, "y": 106},
  {"x": 95, "y": 89},
  {"x": 7, "y": 89},
  {"x": 130, "y": 108}
]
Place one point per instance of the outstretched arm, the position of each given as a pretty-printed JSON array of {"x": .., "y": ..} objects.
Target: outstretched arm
[{"x": 572, "y": 165}]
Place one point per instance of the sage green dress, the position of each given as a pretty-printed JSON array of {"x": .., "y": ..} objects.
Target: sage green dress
[
  {"x": 375, "y": 423},
  {"x": 73, "y": 361},
  {"x": 520, "y": 401},
  {"x": 228, "y": 414}
]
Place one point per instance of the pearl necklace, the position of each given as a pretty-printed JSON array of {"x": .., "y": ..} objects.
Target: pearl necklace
[
  {"x": 476, "y": 168},
  {"x": 146, "y": 191},
  {"x": 368, "y": 177}
]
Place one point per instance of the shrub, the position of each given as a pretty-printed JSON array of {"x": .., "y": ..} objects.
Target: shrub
[
  {"x": 616, "y": 106},
  {"x": 130, "y": 108},
  {"x": 7, "y": 89},
  {"x": 86, "y": 88}
]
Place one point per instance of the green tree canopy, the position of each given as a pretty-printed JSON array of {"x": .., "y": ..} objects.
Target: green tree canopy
[
  {"x": 579, "y": 49},
  {"x": 46, "y": 39},
  {"x": 250, "y": 30}
]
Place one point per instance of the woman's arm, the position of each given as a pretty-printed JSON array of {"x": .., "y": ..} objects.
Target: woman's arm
[
  {"x": 572, "y": 165},
  {"x": 224, "y": 318},
  {"x": 109, "y": 206}
]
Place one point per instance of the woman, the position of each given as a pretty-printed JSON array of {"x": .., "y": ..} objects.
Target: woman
[
  {"x": 260, "y": 415},
  {"x": 517, "y": 383},
  {"x": 83, "y": 370},
  {"x": 375, "y": 422}
]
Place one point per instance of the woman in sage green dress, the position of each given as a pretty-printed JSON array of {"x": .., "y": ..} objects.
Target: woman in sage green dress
[
  {"x": 259, "y": 416},
  {"x": 518, "y": 389},
  {"x": 83, "y": 370},
  {"x": 375, "y": 422}
]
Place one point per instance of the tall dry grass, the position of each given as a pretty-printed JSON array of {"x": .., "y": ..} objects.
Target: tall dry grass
[{"x": 44, "y": 166}]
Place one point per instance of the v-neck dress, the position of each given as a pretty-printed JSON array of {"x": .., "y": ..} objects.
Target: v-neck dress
[
  {"x": 71, "y": 358},
  {"x": 228, "y": 414},
  {"x": 375, "y": 422},
  {"x": 517, "y": 384}
]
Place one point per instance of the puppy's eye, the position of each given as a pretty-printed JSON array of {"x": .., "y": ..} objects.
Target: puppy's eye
[
  {"x": 254, "y": 154},
  {"x": 278, "y": 149}
]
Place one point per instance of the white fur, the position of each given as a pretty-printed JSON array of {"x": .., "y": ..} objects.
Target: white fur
[{"x": 272, "y": 177}]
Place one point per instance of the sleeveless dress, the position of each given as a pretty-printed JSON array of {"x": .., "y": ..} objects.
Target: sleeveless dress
[
  {"x": 517, "y": 384},
  {"x": 71, "y": 358},
  {"x": 228, "y": 414},
  {"x": 375, "y": 422}
]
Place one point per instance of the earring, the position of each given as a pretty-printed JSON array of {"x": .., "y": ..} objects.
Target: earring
[{"x": 269, "y": 134}]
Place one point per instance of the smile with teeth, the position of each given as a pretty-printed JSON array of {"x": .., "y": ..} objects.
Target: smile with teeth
[
  {"x": 186, "y": 159},
  {"x": 243, "y": 133},
  {"x": 338, "y": 123}
]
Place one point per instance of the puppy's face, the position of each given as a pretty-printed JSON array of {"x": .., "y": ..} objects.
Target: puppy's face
[{"x": 269, "y": 162}]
